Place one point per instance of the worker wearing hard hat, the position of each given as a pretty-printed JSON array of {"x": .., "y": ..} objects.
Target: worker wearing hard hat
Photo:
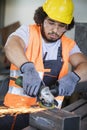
[{"x": 41, "y": 53}]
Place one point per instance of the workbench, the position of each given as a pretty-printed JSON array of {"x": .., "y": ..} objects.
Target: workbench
[{"x": 71, "y": 117}]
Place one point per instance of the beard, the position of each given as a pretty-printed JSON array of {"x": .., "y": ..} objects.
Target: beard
[{"x": 45, "y": 37}]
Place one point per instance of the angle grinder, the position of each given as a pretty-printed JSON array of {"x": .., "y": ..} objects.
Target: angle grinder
[{"x": 45, "y": 96}]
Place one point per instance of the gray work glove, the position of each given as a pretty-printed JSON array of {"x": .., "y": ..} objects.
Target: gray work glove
[
  {"x": 67, "y": 84},
  {"x": 31, "y": 79}
]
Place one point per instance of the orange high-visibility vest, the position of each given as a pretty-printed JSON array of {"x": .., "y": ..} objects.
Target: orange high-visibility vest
[{"x": 15, "y": 96}]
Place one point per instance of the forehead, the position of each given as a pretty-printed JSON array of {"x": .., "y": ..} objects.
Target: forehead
[{"x": 52, "y": 20}]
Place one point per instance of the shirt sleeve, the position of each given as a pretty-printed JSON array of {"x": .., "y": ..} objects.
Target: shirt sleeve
[
  {"x": 23, "y": 33},
  {"x": 75, "y": 49}
]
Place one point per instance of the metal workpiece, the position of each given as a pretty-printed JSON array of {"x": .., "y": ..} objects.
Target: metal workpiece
[{"x": 54, "y": 119}]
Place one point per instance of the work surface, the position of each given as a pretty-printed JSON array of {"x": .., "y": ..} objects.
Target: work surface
[{"x": 77, "y": 121}]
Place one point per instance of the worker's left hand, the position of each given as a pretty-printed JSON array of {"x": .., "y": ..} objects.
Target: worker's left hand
[{"x": 67, "y": 84}]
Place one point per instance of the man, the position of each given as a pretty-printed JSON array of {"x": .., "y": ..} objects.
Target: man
[
  {"x": 41, "y": 53},
  {"x": 34, "y": 47}
]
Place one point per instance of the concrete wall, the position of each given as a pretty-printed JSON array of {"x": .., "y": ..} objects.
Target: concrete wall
[{"x": 22, "y": 10}]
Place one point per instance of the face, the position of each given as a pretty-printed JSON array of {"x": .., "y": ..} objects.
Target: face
[{"x": 52, "y": 30}]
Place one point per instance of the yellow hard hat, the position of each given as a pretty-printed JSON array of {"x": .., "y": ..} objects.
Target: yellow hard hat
[{"x": 59, "y": 10}]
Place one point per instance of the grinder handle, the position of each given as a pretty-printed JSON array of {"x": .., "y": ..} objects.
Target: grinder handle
[{"x": 19, "y": 80}]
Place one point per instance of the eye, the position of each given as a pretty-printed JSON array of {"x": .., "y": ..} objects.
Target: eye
[
  {"x": 51, "y": 22},
  {"x": 62, "y": 25}
]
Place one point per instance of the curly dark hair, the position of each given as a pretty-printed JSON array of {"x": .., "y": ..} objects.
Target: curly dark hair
[{"x": 40, "y": 15}]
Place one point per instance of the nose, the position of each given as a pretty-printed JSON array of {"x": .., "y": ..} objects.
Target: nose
[{"x": 55, "y": 30}]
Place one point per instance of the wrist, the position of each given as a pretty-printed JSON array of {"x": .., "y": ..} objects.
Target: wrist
[
  {"x": 77, "y": 77},
  {"x": 26, "y": 66}
]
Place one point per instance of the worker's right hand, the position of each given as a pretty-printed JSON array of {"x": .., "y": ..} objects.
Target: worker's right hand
[{"x": 31, "y": 79}]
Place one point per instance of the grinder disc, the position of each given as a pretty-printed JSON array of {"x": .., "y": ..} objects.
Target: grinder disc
[{"x": 46, "y": 105}]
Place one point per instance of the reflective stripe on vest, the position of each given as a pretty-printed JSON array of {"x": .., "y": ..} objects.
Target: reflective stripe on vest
[
  {"x": 18, "y": 91},
  {"x": 15, "y": 73}
]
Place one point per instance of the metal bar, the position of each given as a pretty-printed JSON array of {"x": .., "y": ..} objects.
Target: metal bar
[{"x": 54, "y": 120}]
